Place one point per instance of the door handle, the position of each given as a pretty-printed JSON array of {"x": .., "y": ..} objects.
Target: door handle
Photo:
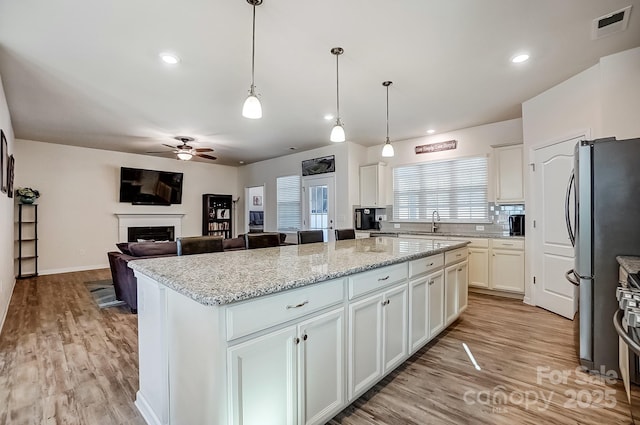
[
  {"x": 567, "y": 218},
  {"x": 568, "y": 275}
]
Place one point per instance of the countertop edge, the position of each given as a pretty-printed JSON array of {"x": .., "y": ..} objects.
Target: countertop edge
[
  {"x": 452, "y": 235},
  {"x": 242, "y": 296},
  {"x": 630, "y": 263}
]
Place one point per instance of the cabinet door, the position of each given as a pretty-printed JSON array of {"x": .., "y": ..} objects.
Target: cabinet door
[
  {"x": 262, "y": 379},
  {"x": 479, "y": 267},
  {"x": 507, "y": 270},
  {"x": 436, "y": 303},
  {"x": 462, "y": 278},
  {"x": 450, "y": 293},
  {"x": 369, "y": 185},
  {"x": 418, "y": 313},
  {"x": 365, "y": 343},
  {"x": 394, "y": 314},
  {"x": 509, "y": 170},
  {"x": 321, "y": 367}
]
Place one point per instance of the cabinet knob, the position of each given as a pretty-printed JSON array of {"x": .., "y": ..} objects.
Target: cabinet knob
[
  {"x": 386, "y": 302},
  {"x": 459, "y": 270},
  {"x": 431, "y": 282},
  {"x": 304, "y": 337},
  {"x": 297, "y": 340}
]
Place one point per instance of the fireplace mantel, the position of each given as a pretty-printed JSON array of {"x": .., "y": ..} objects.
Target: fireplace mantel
[{"x": 126, "y": 220}]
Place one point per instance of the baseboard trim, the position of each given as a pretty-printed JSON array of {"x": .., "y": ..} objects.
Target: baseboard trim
[
  {"x": 145, "y": 410},
  {"x": 496, "y": 293},
  {"x": 73, "y": 269},
  {"x": 6, "y": 307},
  {"x": 527, "y": 300}
]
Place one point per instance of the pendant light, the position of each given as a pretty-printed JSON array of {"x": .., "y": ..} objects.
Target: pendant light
[
  {"x": 337, "y": 132},
  {"x": 252, "y": 108},
  {"x": 387, "y": 149}
]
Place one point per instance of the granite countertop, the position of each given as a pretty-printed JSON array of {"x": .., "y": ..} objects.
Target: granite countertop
[
  {"x": 446, "y": 234},
  {"x": 226, "y": 277},
  {"x": 630, "y": 264}
]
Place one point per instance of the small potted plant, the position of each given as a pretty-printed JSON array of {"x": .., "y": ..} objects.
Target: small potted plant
[{"x": 26, "y": 195}]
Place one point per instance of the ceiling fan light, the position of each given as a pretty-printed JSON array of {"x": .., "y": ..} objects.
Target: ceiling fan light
[
  {"x": 185, "y": 156},
  {"x": 252, "y": 107},
  {"x": 387, "y": 150},
  {"x": 337, "y": 133}
]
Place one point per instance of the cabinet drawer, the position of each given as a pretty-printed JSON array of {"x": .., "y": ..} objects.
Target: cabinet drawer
[
  {"x": 455, "y": 255},
  {"x": 261, "y": 313},
  {"x": 478, "y": 243},
  {"x": 508, "y": 243},
  {"x": 370, "y": 281},
  {"x": 425, "y": 265}
]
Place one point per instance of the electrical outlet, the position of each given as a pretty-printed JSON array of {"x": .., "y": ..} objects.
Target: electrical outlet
[
  {"x": 479, "y": 227},
  {"x": 396, "y": 225}
]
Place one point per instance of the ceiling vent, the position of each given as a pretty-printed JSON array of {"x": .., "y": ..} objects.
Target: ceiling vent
[{"x": 610, "y": 24}]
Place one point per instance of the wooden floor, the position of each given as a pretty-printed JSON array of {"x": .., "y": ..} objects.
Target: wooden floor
[{"x": 65, "y": 361}]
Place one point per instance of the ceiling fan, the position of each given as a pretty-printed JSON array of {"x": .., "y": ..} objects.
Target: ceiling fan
[{"x": 185, "y": 152}]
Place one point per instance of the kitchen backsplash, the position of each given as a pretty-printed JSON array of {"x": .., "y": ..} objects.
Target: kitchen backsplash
[{"x": 498, "y": 214}]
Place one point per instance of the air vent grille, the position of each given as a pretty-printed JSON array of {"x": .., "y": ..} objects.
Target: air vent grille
[{"x": 611, "y": 23}]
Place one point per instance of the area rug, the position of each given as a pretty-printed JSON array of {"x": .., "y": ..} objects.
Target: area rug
[{"x": 103, "y": 293}]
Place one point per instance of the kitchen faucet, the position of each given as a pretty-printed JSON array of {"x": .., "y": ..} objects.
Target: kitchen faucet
[{"x": 434, "y": 226}]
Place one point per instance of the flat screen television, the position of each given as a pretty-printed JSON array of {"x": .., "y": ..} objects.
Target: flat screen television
[{"x": 150, "y": 187}]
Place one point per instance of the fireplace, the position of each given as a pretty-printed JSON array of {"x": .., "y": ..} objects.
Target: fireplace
[
  {"x": 156, "y": 233},
  {"x": 149, "y": 221}
]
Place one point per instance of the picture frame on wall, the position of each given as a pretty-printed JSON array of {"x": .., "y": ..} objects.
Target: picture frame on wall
[
  {"x": 10, "y": 174},
  {"x": 257, "y": 201},
  {"x": 4, "y": 162},
  {"x": 326, "y": 164}
]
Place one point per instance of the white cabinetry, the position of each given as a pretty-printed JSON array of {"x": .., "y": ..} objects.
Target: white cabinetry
[
  {"x": 479, "y": 263},
  {"x": 507, "y": 266},
  {"x": 509, "y": 174},
  {"x": 455, "y": 284},
  {"x": 436, "y": 303},
  {"x": 372, "y": 185},
  {"x": 312, "y": 351},
  {"x": 426, "y": 298},
  {"x": 377, "y": 337}
]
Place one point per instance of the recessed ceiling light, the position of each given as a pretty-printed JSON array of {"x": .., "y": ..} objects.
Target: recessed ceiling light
[
  {"x": 520, "y": 58},
  {"x": 431, "y": 131},
  {"x": 169, "y": 58},
  {"x": 328, "y": 117}
]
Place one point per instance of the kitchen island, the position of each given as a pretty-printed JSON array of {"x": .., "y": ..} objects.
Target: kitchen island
[{"x": 287, "y": 335}]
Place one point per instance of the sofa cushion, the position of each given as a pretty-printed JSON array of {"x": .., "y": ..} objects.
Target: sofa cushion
[
  {"x": 124, "y": 247},
  {"x": 144, "y": 249}
]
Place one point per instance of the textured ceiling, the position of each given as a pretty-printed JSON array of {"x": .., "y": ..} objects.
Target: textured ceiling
[{"x": 88, "y": 73}]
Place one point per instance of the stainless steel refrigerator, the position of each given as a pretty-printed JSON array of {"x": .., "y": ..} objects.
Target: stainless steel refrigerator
[{"x": 607, "y": 224}]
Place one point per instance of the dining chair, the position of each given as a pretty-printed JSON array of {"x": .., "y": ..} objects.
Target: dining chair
[
  {"x": 310, "y": 236},
  {"x": 342, "y": 234}
]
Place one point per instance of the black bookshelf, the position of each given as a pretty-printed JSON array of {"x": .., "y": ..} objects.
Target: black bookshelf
[
  {"x": 217, "y": 215},
  {"x": 27, "y": 225}
]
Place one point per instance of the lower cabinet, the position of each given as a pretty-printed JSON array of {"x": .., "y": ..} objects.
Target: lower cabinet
[
  {"x": 479, "y": 267},
  {"x": 507, "y": 270},
  {"x": 377, "y": 337},
  {"x": 291, "y": 376},
  {"x": 455, "y": 283},
  {"x": 426, "y": 312}
]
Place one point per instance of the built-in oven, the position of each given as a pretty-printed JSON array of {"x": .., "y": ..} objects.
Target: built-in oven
[{"x": 626, "y": 321}]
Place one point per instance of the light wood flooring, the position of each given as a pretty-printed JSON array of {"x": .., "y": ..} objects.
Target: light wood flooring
[{"x": 65, "y": 361}]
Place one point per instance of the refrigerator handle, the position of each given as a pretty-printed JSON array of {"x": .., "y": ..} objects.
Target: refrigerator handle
[{"x": 566, "y": 209}]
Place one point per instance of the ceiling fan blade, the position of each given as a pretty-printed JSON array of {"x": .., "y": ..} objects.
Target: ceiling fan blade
[
  {"x": 169, "y": 146},
  {"x": 204, "y": 150},
  {"x": 161, "y": 152},
  {"x": 201, "y": 155}
]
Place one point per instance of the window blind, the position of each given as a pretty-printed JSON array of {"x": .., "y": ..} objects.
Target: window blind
[
  {"x": 456, "y": 188},
  {"x": 288, "y": 197}
]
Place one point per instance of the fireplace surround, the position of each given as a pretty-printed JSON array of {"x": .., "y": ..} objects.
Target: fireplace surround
[{"x": 148, "y": 220}]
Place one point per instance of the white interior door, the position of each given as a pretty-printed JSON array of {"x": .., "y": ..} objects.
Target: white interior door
[
  {"x": 319, "y": 205},
  {"x": 553, "y": 252}
]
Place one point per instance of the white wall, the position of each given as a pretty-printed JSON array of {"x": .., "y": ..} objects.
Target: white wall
[
  {"x": 266, "y": 172},
  {"x": 602, "y": 101},
  {"x": 7, "y": 279},
  {"x": 472, "y": 141},
  {"x": 79, "y": 190}
]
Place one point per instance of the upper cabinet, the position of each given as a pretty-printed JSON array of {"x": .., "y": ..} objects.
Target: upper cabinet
[
  {"x": 372, "y": 185},
  {"x": 509, "y": 174}
]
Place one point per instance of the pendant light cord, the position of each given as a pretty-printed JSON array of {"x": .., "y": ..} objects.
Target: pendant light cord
[
  {"x": 253, "y": 49},
  {"x": 387, "y": 113},
  {"x": 337, "y": 89}
]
